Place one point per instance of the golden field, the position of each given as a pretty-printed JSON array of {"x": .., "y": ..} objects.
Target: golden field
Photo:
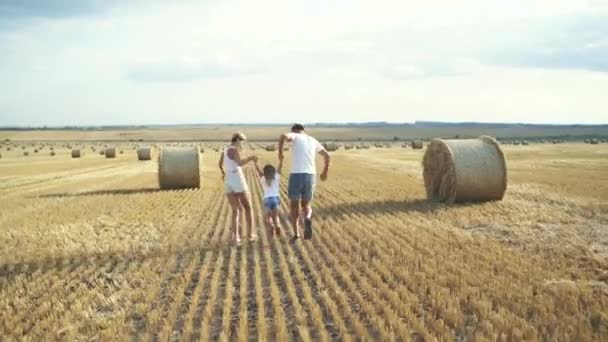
[{"x": 90, "y": 249}]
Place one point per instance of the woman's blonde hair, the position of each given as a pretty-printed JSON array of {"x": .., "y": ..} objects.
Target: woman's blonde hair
[{"x": 238, "y": 136}]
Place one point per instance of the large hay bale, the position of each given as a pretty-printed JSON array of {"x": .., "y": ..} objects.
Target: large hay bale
[
  {"x": 465, "y": 170},
  {"x": 179, "y": 168},
  {"x": 144, "y": 153},
  {"x": 417, "y": 145},
  {"x": 75, "y": 153},
  {"x": 331, "y": 146},
  {"x": 26, "y": 153},
  {"x": 111, "y": 152},
  {"x": 52, "y": 153},
  {"x": 271, "y": 148},
  {"x": 594, "y": 141}
]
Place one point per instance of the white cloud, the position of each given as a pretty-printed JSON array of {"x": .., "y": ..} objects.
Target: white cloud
[{"x": 236, "y": 60}]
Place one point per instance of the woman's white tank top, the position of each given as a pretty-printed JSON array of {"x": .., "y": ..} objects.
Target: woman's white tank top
[{"x": 230, "y": 165}]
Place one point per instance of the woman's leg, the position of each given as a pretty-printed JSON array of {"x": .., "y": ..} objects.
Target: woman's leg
[
  {"x": 245, "y": 203},
  {"x": 234, "y": 220}
]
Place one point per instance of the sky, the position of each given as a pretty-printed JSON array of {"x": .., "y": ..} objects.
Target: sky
[{"x": 113, "y": 62}]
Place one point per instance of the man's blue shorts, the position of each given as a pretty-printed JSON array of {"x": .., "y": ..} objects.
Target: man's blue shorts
[
  {"x": 301, "y": 186},
  {"x": 271, "y": 203}
]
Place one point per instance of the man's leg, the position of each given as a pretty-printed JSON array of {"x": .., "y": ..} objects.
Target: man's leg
[
  {"x": 307, "y": 205},
  {"x": 294, "y": 191},
  {"x": 294, "y": 206}
]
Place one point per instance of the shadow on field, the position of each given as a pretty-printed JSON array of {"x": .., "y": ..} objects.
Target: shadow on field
[
  {"x": 380, "y": 207},
  {"x": 110, "y": 192}
]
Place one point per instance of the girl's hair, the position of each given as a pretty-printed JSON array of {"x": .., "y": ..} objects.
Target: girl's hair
[{"x": 269, "y": 173}]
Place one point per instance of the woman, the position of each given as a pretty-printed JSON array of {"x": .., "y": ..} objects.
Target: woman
[{"x": 235, "y": 185}]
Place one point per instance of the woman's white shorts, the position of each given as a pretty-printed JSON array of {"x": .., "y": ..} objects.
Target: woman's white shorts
[{"x": 235, "y": 183}]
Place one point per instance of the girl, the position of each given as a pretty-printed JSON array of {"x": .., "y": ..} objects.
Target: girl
[
  {"x": 271, "y": 179},
  {"x": 235, "y": 185}
]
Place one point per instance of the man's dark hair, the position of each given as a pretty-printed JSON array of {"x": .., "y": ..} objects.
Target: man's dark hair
[{"x": 297, "y": 127}]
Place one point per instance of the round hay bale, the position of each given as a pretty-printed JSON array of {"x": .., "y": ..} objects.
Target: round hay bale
[
  {"x": 144, "y": 153},
  {"x": 179, "y": 168},
  {"x": 52, "y": 153},
  {"x": 587, "y": 141},
  {"x": 26, "y": 153},
  {"x": 525, "y": 143},
  {"x": 36, "y": 151},
  {"x": 271, "y": 148},
  {"x": 417, "y": 145},
  {"x": 594, "y": 141},
  {"x": 330, "y": 146},
  {"x": 75, "y": 153},
  {"x": 464, "y": 170},
  {"x": 111, "y": 152},
  {"x": 102, "y": 152}
]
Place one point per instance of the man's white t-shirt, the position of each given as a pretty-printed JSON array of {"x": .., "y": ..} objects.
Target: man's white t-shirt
[
  {"x": 273, "y": 189},
  {"x": 304, "y": 150}
]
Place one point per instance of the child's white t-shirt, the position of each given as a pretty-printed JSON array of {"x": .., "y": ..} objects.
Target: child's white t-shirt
[{"x": 273, "y": 189}]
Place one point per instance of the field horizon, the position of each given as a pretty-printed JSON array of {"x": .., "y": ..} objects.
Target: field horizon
[{"x": 370, "y": 131}]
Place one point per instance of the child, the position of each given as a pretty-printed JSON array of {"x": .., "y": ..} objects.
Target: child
[{"x": 271, "y": 179}]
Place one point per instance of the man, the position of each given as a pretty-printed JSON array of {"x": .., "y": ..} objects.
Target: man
[{"x": 303, "y": 175}]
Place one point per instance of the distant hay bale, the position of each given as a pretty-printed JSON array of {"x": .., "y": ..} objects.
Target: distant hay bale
[
  {"x": 417, "y": 145},
  {"x": 348, "y": 147},
  {"x": 76, "y": 153},
  {"x": 144, "y": 153},
  {"x": 464, "y": 170},
  {"x": 35, "y": 151},
  {"x": 331, "y": 146},
  {"x": 525, "y": 142},
  {"x": 52, "y": 153},
  {"x": 594, "y": 141},
  {"x": 271, "y": 148},
  {"x": 587, "y": 141},
  {"x": 102, "y": 152},
  {"x": 179, "y": 168},
  {"x": 26, "y": 153},
  {"x": 111, "y": 152}
]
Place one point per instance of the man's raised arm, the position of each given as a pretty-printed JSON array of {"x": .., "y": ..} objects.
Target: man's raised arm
[{"x": 284, "y": 137}]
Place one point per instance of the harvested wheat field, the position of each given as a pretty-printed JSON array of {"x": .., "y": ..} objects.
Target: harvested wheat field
[{"x": 91, "y": 249}]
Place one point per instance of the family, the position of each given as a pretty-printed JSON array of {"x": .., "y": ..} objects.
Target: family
[{"x": 300, "y": 188}]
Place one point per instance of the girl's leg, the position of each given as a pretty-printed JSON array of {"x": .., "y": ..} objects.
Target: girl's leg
[
  {"x": 234, "y": 220},
  {"x": 275, "y": 220},
  {"x": 244, "y": 200}
]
